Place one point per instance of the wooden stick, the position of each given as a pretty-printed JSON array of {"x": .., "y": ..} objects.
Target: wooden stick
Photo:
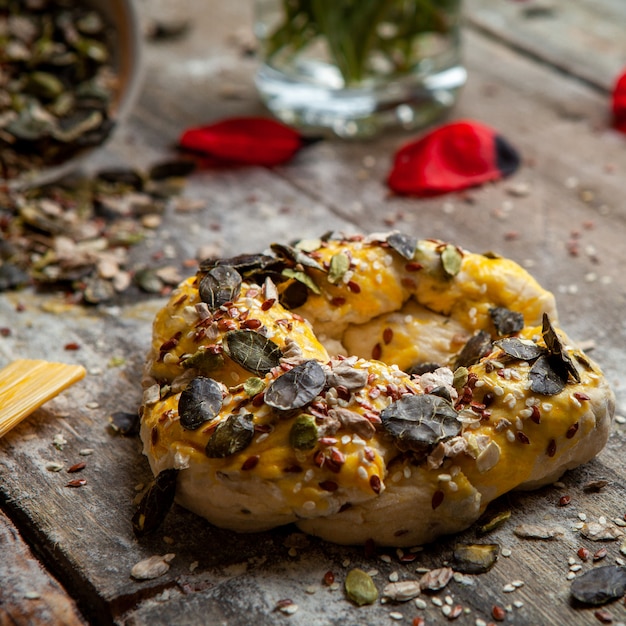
[{"x": 27, "y": 384}]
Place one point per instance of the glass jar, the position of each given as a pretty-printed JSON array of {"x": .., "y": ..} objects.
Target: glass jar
[{"x": 355, "y": 67}]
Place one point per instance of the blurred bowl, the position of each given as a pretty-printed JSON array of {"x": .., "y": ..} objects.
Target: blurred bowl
[{"x": 121, "y": 16}]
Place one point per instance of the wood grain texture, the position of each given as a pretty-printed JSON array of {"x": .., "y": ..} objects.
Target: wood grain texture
[
  {"x": 29, "y": 596},
  {"x": 574, "y": 168},
  {"x": 583, "y": 39}
]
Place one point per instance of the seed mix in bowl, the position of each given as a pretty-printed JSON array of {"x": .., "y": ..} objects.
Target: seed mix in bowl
[{"x": 59, "y": 84}]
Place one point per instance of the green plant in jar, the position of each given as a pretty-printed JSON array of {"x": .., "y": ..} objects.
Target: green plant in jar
[{"x": 363, "y": 39}]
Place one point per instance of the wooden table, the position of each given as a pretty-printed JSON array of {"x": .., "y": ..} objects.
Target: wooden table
[{"x": 539, "y": 72}]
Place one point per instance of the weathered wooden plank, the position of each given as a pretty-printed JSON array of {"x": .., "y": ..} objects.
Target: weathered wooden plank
[
  {"x": 85, "y": 535},
  {"x": 584, "y": 38},
  {"x": 29, "y": 596}
]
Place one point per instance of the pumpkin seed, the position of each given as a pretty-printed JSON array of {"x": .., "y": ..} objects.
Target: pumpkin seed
[
  {"x": 220, "y": 285},
  {"x": 339, "y": 265},
  {"x": 343, "y": 374},
  {"x": 294, "y": 295},
  {"x": 423, "y": 368},
  {"x": 231, "y": 436},
  {"x": 309, "y": 245},
  {"x": 600, "y": 585},
  {"x": 460, "y": 378},
  {"x": 544, "y": 379},
  {"x": 303, "y": 434},
  {"x": 301, "y": 277},
  {"x": 123, "y": 176},
  {"x": 248, "y": 265},
  {"x": 297, "y": 387},
  {"x": 475, "y": 349},
  {"x": 11, "y": 277},
  {"x": 171, "y": 169},
  {"x": 155, "y": 503},
  {"x": 404, "y": 245},
  {"x": 125, "y": 423},
  {"x": 200, "y": 402},
  {"x": 559, "y": 357},
  {"x": 204, "y": 361},
  {"x": 360, "y": 587},
  {"x": 419, "y": 422},
  {"x": 520, "y": 348},
  {"x": 494, "y": 522},
  {"x": 475, "y": 558},
  {"x": 451, "y": 260},
  {"x": 296, "y": 256},
  {"x": 506, "y": 322},
  {"x": 252, "y": 351},
  {"x": 253, "y": 386}
]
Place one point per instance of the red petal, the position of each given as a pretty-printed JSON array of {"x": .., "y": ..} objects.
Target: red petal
[
  {"x": 450, "y": 158},
  {"x": 249, "y": 140},
  {"x": 619, "y": 104}
]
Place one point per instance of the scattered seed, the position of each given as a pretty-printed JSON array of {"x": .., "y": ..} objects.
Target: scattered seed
[
  {"x": 498, "y": 613},
  {"x": 77, "y": 482},
  {"x": 401, "y": 591},
  {"x": 436, "y": 579},
  {"x": 600, "y": 532},
  {"x": 152, "y": 567},
  {"x": 600, "y": 585},
  {"x": 536, "y": 531},
  {"x": 360, "y": 587}
]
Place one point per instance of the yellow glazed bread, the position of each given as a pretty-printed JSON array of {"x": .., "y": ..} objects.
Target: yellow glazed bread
[{"x": 366, "y": 388}]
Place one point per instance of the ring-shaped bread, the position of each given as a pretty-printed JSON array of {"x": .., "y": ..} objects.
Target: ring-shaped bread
[{"x": 366, "y": 388}]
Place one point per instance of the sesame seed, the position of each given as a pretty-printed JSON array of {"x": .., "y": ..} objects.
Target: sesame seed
[
  {"x": 510, "y": 435},
  {"x": 505, "y": 552},
  {"x": 362, "y": 473},
  {"x": 396, "y": 615},
  {"x": 508, "y": 588},
  {"x": 437, "y": 601},
  {"x": 393, "y": 577},
  {"x": 498, "y": 390},
  {"x": 420, "y": 604},
  {"x": 571, "y": 575},
  {"x": 309, "y": 505}
]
